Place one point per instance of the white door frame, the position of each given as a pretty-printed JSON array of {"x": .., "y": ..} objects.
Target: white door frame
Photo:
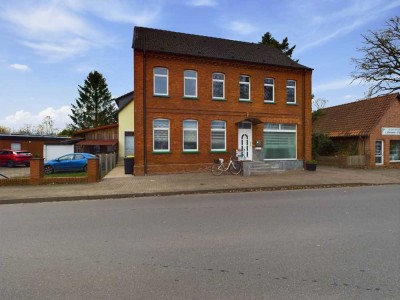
[
  {"x": 245, "y": 135},
  {"x": 382, "y": 152}
]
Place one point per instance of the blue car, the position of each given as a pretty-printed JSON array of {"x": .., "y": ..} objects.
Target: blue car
[{"x": 74, "y": 162}]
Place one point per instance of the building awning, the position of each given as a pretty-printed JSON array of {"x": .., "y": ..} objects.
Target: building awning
[
  {"x": 98, "y": 143},
  {"x": 255, "y": 121}
]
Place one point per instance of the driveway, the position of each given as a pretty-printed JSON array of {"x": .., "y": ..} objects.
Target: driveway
[{"x": 19, "y": 171}]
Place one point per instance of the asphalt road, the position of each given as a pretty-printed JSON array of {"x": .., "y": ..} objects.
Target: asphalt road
[{"x": 310, "y": 244}]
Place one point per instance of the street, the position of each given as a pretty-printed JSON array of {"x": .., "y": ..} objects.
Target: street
[{"x": 341, "y": 243}]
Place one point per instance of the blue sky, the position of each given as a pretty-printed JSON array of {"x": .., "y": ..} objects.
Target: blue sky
[{"x": 49, "y": 47}]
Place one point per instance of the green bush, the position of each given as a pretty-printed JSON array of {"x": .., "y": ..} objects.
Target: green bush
[{"x": 322, "y": 145}]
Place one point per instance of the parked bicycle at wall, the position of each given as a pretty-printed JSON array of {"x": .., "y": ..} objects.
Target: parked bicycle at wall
[{"x": 234, "y": 166}]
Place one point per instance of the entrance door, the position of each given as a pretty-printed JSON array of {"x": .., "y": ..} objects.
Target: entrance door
[
  {"x": 379, "y": 152},
  {"x": 244, "y": 140}
]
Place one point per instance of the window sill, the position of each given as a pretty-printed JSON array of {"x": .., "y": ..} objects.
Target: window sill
[
  {"x": 190, "y": 98},
  {"x": 269, "y": 102},
  {"x": 161, "y": 152},
  {"x": 294, "y": 104},
  {"x": 244, "y": 100},
  {"x": 190, "y": 152},
  {"x": 161, "y": 96},
  {"x": 218, "y": 151},
  {"x": 217, "y": 99}
]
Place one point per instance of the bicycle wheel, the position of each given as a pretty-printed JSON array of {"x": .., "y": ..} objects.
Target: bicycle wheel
[
  {"x": 235, "y": 167},
  {"x": 217, "y": 169}
]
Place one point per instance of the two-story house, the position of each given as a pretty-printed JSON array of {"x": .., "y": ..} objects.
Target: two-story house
[{"x": 198, "y": 98}]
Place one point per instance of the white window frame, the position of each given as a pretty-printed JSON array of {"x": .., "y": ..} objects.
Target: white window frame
[
  {"x": 273, "y": 89},
  {"x": 223, "y": 85},
  {"x": 160, "y": 75},
  {"x": 162, "y": 128},
  {"x": 245, "y": 83},
  {"x": 217, "y": 130},
  {"x": 283, "y": 130},
  {"x": 185, "y": 77},
  {"x": 291, "y": 87},
  {"x": 190, "y": 129}
]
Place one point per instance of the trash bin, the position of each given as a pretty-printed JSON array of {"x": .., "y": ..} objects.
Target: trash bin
[{"x": 128, "y": 164}]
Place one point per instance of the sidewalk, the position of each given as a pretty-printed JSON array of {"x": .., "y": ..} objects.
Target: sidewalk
[{"x": 118, "y": 185}]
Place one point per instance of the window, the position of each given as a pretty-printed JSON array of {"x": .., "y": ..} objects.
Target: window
[
  {"x": 244, "y": 87},
  {"x": 190, "y": 135},
  {"x": 16, "y": 146},
  {"x": 129, "y": 144},
  {"x": 160, "y": 135},
  {"x": 190, "y": 83},
  {"x": 218, "y": 86},
  {"x": 161, "y": 81},
  {"x": 268, "y": 90},
  {"x": 291, "y": 91},
  {"x": 218, "y": 136},
  {"x": 394, "y": 154},
  {"x": 280, "y": 141}
]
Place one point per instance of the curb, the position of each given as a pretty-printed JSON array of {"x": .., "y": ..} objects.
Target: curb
[{"x": 172, "y": 193}]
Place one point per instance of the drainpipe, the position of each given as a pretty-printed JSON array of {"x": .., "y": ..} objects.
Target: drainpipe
[
  {"x": 304, "y": 118},
  {"x": 144, "y": 114}
]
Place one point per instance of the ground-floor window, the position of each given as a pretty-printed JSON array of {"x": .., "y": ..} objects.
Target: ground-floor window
[
  {"x": 280, "y": 141},
  {"x": 160, "y": 135},
  {"x": 218, "y": 136},
  {"x": 394, "y": 154},
  {"x": 190, "y": 135},
  {"x": 129, "y": 144}
]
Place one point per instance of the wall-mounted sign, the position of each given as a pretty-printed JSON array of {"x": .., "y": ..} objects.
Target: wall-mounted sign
[{"x": 390, "y": 131}]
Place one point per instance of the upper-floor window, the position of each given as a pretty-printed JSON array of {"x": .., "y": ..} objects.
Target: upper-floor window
[
  {"x": 269, "y": 90},
  {"x": 190, "y": 83},
  {"x": 218, "y": 135},
  {"x": 218, "y": 86},
  {"x": 244, "y": 87},
  {"x": 190, "y": 136},
  {"x": 291, "y": 91},
  {"x": 161, "y": 81},
  {"x": 160, "y": 135}
]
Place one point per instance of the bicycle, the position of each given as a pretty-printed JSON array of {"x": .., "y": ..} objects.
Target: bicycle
[{"x": 218, "y": 167}]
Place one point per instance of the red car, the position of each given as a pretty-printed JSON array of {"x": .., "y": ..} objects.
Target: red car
[{"x": 11, "y": 158}]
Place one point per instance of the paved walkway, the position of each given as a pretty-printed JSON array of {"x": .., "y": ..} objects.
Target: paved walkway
[{"x": 118, "y": 185}]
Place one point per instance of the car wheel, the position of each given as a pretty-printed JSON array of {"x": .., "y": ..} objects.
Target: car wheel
[
  {"x": 85, "y": 168},
  {"x": 10, "y": 164},
  {"x": 48, "y": 170}
]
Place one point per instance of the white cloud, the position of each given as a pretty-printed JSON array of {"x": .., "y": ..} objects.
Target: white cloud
[
  {"x": 336, "y": 84},
  {"x": 210, "y": 3},
  {"x": 20, "y": 67},
  {"x": 21, "y": 117},
  {"x": 243, "y": 28}
]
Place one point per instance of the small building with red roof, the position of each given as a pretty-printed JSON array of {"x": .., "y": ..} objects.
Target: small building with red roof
[{"x": 369, "y": 127}]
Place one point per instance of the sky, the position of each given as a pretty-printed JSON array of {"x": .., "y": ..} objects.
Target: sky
[{"x": 48, "y": 47}]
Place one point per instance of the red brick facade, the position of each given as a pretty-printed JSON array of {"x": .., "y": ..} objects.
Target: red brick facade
[{"x": 204, "y": 109}]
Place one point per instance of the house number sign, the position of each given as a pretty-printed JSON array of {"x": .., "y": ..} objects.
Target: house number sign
[{"x": 390, "y": 131}]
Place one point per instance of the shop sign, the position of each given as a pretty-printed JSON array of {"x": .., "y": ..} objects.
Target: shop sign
[{"x": 390, "y": 131}]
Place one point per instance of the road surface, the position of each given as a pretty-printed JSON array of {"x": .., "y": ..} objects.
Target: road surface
[{"x": 310, "y": 244}]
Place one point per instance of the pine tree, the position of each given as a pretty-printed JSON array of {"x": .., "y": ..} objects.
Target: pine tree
[
  {"x": 94, "y": 107},
  {"x": 269, "y": 40}
]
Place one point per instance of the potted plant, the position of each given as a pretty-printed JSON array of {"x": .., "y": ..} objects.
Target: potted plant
[{"x": 311, "y": 165}]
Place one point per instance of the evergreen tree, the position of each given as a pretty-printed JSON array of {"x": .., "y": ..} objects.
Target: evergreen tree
[
  {"x": 269, "y": 40},
  {"x": 94, "y": 107}
]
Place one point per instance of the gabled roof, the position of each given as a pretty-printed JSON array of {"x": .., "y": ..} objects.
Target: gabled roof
[
  {"x": 210, "y": 47},
  {"x": 354, "y": 119},
  {"x": 124, "y": 100}
]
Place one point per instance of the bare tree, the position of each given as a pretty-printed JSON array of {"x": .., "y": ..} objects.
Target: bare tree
[
  {"x": 46, "y": 127},
  {"x": 380, "y": 66},
  {"x": 318, "y": 104}
]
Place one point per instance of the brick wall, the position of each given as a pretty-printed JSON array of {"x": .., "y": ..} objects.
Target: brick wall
[
  {"x": 390, "y": 119},
  {"x": 204, "y": 109}
]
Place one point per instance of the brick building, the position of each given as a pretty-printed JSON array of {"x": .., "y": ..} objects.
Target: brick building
[
  {"x": 198, "y": 98},
  {"x": 369, "y": 127}
]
